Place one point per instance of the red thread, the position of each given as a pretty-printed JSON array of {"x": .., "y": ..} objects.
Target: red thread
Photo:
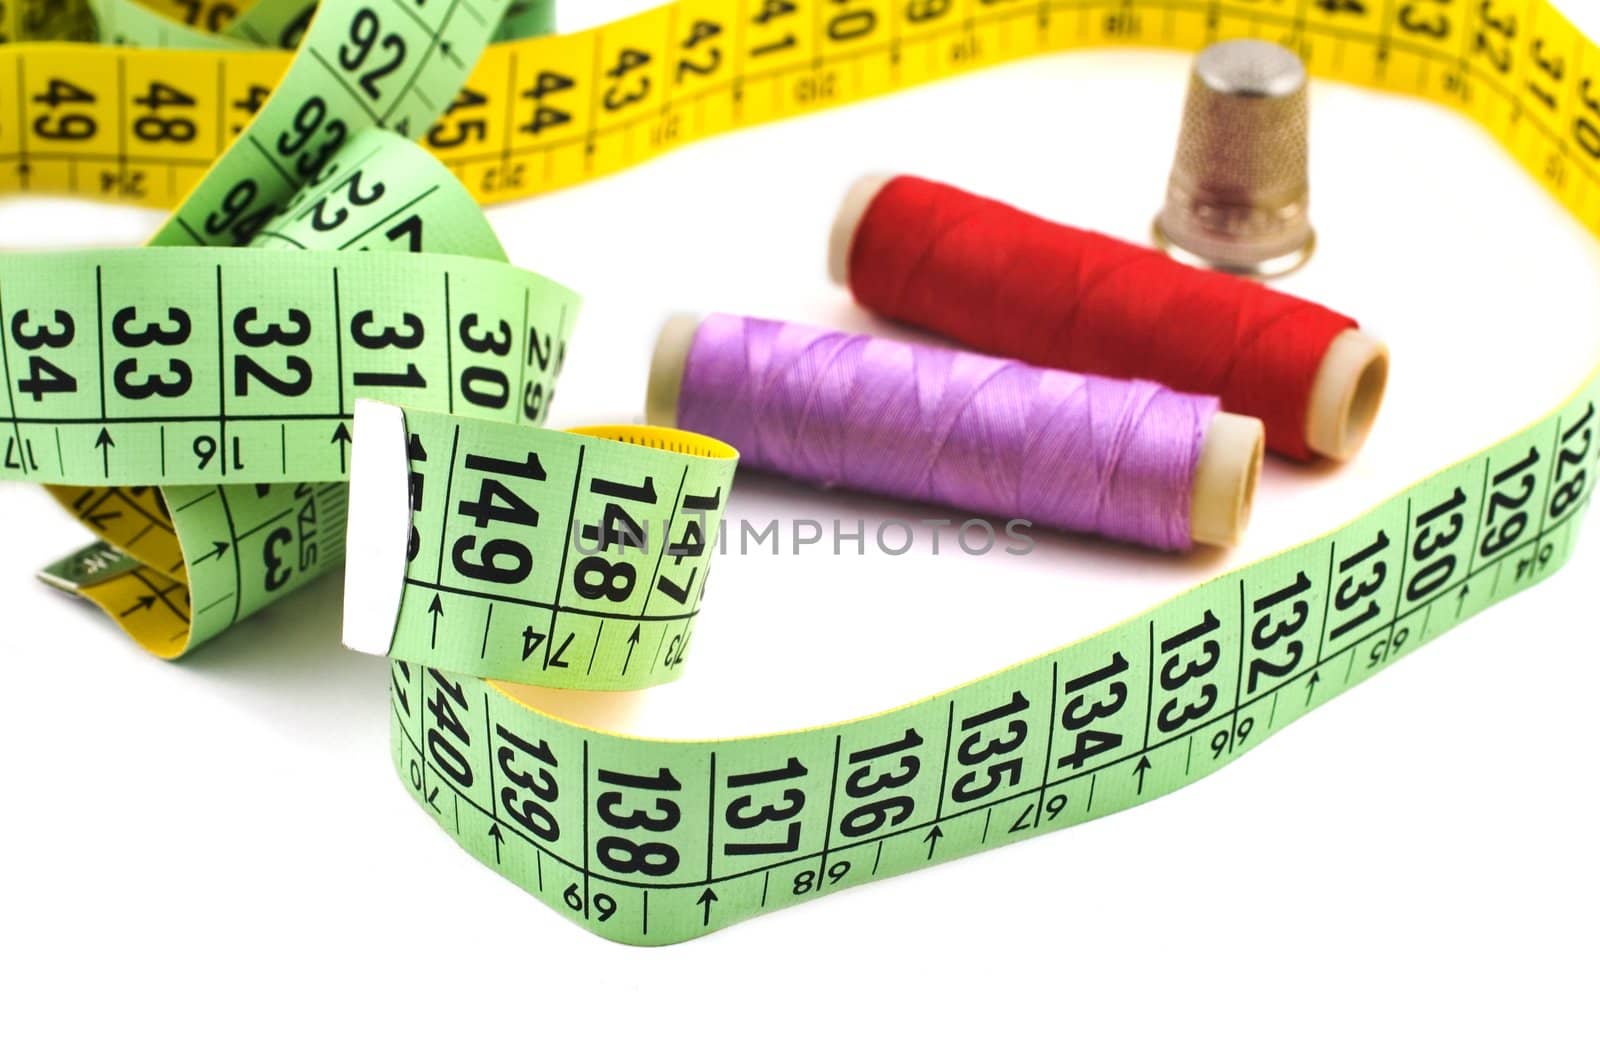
[{"x": 996, "y": 279}]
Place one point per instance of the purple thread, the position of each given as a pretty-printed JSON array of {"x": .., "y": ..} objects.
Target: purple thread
[{"x": 986, "y": 435}]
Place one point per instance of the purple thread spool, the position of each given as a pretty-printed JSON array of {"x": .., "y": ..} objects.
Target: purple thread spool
[{"x": 1128, "y": 460}]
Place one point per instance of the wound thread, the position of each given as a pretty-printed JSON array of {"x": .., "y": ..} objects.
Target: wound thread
[
  {"x": 999, "y": 280},
  {"x": 991, "y": 436}
]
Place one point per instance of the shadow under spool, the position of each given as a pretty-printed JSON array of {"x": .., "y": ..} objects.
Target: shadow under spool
[{"x": 1221, "y": 493}]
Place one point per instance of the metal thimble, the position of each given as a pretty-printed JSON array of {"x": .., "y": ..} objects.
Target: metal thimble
[{"x": 1240, "y": 191}]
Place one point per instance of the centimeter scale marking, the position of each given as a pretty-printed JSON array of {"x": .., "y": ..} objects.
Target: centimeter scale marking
[
  {"x": 75, "y": 345},
  {"x": 1492, "y": 48},
  {"x": 539, "y": 539},
  {"x": 1534, "y": 489},
  {"x": 1412, "y": 556}
]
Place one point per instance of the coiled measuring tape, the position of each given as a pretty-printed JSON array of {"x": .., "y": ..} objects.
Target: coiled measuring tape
[{"x": 506, "y": 551}]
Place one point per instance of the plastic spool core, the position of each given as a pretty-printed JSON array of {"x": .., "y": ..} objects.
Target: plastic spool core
[
  {"x": 666, "y": 368},
  {"x": 1225, "y": 478},
  {"x": 1346, "y": 395}
]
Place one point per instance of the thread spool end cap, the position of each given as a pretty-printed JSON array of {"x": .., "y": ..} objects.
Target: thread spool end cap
[
  {"x": 667, "y": 365},
  {"x": 848, "y": 220},
  {"x": 1347, "y": 394},
  {"x": 1225, "y": 479}
]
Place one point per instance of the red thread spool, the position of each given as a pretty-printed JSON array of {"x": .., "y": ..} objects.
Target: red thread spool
[{"x": 996, "y": 279}]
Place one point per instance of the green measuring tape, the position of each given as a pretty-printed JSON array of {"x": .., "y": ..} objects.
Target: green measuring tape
[
  {"x": 176, "y": 366},
  {"x": 508, "y": 553},
  {"x": 493, "y": 553}
]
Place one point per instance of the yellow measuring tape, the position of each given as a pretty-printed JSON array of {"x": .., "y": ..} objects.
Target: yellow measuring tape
[{"x": 501, "y": 550}]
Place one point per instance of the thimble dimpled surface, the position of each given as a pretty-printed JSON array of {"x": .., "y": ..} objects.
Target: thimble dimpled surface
[{"x": 1239, "y": 194}]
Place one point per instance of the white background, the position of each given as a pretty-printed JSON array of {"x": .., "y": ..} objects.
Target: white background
[{"x": 214, "y": 859}]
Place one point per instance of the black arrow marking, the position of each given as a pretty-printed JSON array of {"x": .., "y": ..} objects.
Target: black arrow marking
[
  {"x": 1311, "y": 686},
  {"x": 932, "y": 839},
  {"x": 1140, "y": 769},
  {"x": 436, "y": 607},
  {"x": 633, "y": 641},
  {"x": 341, "y": 436},
  {"x": 494, "y": 833},
  {"x": 144, "y": 603},
  {"x": 105, "y": 443},
  {"x": 431, "y": 796},
  {"x": 99, "y": 521},
  {"x": 218, "y": 549},
  {"x": 1461, "y": 599},
  {"x": 706, "y": 897}
]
